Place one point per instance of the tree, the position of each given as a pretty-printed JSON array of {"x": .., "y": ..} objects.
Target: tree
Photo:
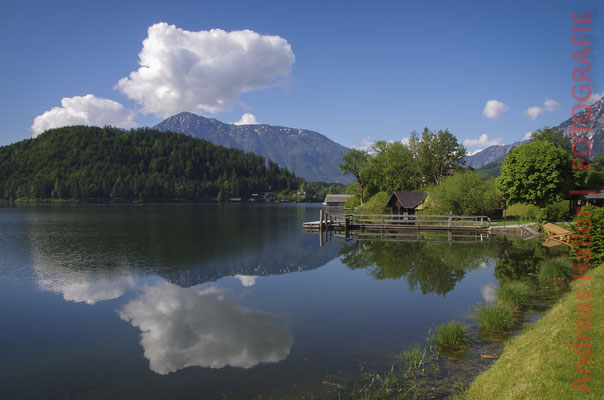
[
  {"x": 391, "y": 167},
  {"x": 537, "y": 172},
  {"x": 464, "y": 193},
  {"x": 355, "y": 161},
  {"x": 553, "y": 136},
  {"x": 437, "y": 153}
]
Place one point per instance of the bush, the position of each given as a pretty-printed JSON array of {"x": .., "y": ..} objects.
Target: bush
[
  {"x": 494, "y": 317},
  {"x": 552, "y": 212},
  {"x": 464, "y": 193},
  {"x": 558, "y": 211},
  {"x": 555, "y": 268},
  {"x": 453, "y": 334},
  {"x": 353, "y": 202},
  {"x": 514, "y": 294},
  {"x": 596, "y": 232},
  {"x": 376, "y": 204}
]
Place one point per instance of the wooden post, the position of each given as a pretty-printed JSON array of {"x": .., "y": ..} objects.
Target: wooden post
[{"x": 321, "y": 222}]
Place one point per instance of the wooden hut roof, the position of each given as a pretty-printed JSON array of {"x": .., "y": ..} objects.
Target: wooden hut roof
[
  {"x": 336, "y": 198},
  {"x": 407, "y": 199}
]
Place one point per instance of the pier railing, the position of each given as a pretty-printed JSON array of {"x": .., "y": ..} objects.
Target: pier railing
[{"x": 410, "y": 221}]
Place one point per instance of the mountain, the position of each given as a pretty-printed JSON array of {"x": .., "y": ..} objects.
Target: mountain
[
  {"x": 308, "y": 154},
  {"x": 85, "y": 162},
  {"x": 595, "y": 123},
  {"x": 495, "y": 154},
  {"x": 491, "y": 154}
]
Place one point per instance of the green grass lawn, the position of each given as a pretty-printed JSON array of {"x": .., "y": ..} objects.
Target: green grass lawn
[{"x": 540, "y": 364}]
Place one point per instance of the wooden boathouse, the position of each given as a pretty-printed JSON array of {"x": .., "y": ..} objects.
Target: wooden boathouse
[
  {"x": 406, "y": 203},
  {"x": 404, "y": 206}
]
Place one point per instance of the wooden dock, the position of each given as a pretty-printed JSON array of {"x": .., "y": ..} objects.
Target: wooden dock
[{"x": 385, "y": 222}]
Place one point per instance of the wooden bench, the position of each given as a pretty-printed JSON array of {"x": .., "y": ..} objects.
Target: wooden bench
[{"x": 555, "y": 235}]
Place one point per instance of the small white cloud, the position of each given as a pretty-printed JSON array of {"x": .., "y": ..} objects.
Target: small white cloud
[
  {"x": 594, "y": 97},
  {"x": 206, "y": 70},
  {"x": 482, "y": 141},
  {"x": 247, "y": 119},
  {"x": 551, "y": 105},
  {"x": 366, "y": 144},
  {"x": 528, "y": 136},
  {"x": 84, "y": 110},
  {"x": 533, "y": 112},
  {"x": 493, "y": 109},
  {"x": 405, "y": 141}
]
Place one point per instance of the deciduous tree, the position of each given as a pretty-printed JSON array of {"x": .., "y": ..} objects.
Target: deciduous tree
[{"x": 536, "y": 173}]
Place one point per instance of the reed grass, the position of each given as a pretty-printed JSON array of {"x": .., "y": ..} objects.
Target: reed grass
[
  {"x": 559, "y": 268},
  {"x": 494, "y": 317},
  {"x": 514, "y": 294},
  {"x": 453, "y": 334},
  {"x": 413, "y": 359}
]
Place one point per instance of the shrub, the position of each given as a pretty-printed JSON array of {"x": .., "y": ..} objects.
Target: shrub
[
  {"x": 596, "y": 232},
  {"x": 463, "y": 193},
  {"x": 555, "y": 268},
  {"x": 514, "y": 294},
  {"x": 558, "y": 211},
  {"x": 494, "y": 317},
  {"x": 453, "y": 334},
  {"x": 376, "y": 204}
]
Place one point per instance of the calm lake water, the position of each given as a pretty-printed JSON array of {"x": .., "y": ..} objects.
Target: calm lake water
[{"x": 214, "y": 301}]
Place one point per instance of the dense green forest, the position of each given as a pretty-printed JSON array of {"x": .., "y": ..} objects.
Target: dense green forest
[{"x": 107, "y": 164}]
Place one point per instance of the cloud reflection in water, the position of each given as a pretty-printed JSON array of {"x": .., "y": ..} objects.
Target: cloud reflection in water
[{"x": 184, "y": 327}]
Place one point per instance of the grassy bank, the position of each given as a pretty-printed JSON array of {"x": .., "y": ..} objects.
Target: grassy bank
[{"x": 539, "y": 363}]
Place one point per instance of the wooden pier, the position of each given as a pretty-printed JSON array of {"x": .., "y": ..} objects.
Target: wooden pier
[{"x": 385, "y": 222}]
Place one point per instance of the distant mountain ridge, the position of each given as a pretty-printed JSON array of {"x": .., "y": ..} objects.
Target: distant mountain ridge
[
  {"x": 309, "y": 154},
  {"x": 490, "y": 155},
  {"x": 497, "y": 153}
]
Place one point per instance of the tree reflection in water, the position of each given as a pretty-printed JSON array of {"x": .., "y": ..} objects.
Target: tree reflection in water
[
  {"x": 433, "y": 267},
  {"x": 437, "y": 267}
]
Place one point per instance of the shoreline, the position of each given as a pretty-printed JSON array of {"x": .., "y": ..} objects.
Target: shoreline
[{"x": 539, "y": 362}]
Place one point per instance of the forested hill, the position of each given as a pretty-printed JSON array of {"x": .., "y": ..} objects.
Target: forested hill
[{"x": 82, "y": 162}]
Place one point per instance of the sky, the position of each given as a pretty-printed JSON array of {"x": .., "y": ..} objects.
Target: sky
[{"x": 356, "y": 72}]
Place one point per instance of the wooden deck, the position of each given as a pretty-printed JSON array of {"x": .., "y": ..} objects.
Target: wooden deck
[{"x": 385, "y": 222}]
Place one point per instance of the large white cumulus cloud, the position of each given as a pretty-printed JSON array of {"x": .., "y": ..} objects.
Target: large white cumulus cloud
[
  {"x": 207, "y": 70},
  {"x": 185, "y": 327},
  {"x": 84, "y": 110}
]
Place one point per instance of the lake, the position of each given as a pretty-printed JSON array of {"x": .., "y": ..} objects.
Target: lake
[{"x": 215, "y": 301}]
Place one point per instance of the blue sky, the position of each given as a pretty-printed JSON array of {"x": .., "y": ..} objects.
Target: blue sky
[{"x": 362, "y": 71}]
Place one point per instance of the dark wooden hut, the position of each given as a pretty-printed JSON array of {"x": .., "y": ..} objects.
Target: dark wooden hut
[{"x": 406, "y": 203}]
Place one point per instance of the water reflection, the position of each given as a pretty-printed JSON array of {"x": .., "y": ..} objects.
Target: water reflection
[
  {"x": 246, "y": 280},
  {"x": 518, "y": 259},
  {"x": 205, "y": 327},
  {"x": 93, "y": 291},
  {"x": 489, "y": 292},
  {"x": 76, "y": 249},
  {"x": 433, "y": 267}
]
